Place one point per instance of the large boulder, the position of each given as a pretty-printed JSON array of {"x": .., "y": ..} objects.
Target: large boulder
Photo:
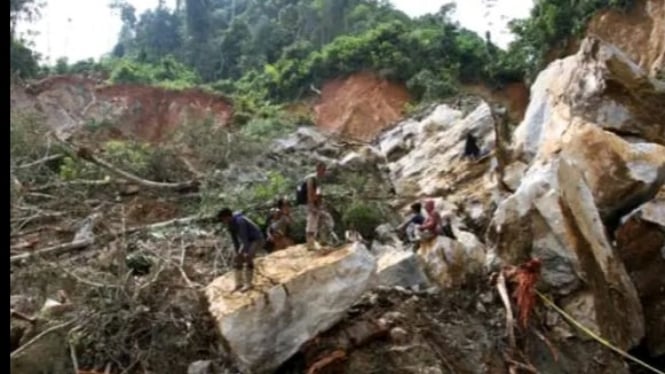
[
  {"x": 638, "y": 31},
  {"x": 448, "y": 262},
  {"x": 425, "y": 159},
  {"x": 620, "y": 174},
  {"x": 432, "y": 166},
  {"x": 616, "y": 306},
  {"x": 399, "y": 268},
  {"x": 553, "y": 216},
  {"x": 600, "y": 85},
  {"x": 587, "y": 154},
  {"x": 641, "y": 246},
  {"x": 297, "y": 294}
]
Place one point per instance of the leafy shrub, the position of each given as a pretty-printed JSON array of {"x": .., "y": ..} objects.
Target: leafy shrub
[
  {"x": 130, "y": 156},
  {"x": 168, "y": 73},
  {"x": 74, "y": 168},
  {"x": 23, "y": 61},
  {"x": 277, "y": 185},
  {"x": 132, "y": 73},
  {"x": 429, "y": 86},
  {"x": 266, "y": 128},
  {"x": 364, "y": 218}
]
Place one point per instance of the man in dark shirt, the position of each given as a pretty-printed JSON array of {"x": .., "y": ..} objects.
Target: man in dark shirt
[
  {"x": 247, "y": 239},
  {"x": 415, "y": 219}
]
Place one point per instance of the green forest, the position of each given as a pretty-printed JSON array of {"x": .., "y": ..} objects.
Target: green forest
[{"x": 274, "y": 51}]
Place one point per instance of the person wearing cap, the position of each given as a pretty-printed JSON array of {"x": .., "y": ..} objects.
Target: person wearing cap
[{"x": 247, "y": 240}]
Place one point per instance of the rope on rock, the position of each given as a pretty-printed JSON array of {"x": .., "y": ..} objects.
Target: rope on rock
[{"x": 595, "y": 336}]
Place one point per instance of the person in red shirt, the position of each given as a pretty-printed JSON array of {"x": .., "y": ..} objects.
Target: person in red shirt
[{"x": 432, "y": 225}]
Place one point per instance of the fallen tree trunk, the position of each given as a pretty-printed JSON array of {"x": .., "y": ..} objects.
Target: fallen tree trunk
[
  {"x": 41, "y": 161},
  {"x": 87, "y": 155},
  {"x": 81, "y": 244},
  {"x": 57, "y": 249},
  {"x": 160, "y": 225},
  {"x": 77, "y": 182}
]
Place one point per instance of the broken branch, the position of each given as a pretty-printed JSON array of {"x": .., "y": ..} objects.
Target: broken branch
[
  {"x": 87, "y": 155},
  {"x": 80, "y": 244},
  {"x": 32, "y": 341},
  {"x": 78, "y": 182},
  {"x": 57, "y": 249},
  {"x": 41, "y": 161},
  {"x": 510, "y": 320}
]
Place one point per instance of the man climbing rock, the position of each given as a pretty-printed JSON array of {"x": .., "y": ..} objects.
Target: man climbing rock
[
  {"x": 471, "y": 149},
  {"x": 309, "y": 192},
  {"x": 247, "y": 239}
]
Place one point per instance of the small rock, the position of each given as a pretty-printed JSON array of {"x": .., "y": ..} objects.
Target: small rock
[
  {"x": 393, "y": 317},
  {"x": 486, "y": 297},
  {"x": 480, "y": 307},
  {"x": 432, "y": 290},
  {"x": 200, "y": 367},
  {"x": 432, "y": 370},
  {"x": 399, "y": 335}
]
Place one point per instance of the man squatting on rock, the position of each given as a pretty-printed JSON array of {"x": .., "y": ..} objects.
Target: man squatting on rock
[{"x": 247, "y": 239}]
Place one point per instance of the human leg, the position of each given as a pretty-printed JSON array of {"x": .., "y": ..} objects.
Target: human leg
[
  {"x": 237, "y": 271},
  {"x": 248, "y": 260},
  {"x": 312, "y": 227}
]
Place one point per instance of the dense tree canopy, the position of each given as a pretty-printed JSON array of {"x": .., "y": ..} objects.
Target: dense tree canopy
[{"x": 276, "y": 49}]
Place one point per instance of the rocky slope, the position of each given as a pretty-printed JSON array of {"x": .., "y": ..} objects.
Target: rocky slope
[
  {"x": 583, "y": 192},
  {"x": 587, "y": 162}
]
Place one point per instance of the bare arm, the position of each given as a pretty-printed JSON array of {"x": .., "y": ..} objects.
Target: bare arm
[
  {"x": 311, "y": 192},
  {"x": 431, "y": 222}
]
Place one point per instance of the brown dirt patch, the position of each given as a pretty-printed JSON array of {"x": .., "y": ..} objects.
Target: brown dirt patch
[
  {"x": 154, "y": 112},
  {"x": 638, "y": 33},
  {"x": 146, "y": 211},
  {"x": 145, "y": 112},
  {"x": 360, "y": 106},
  {"x": 514, "y": 97}
]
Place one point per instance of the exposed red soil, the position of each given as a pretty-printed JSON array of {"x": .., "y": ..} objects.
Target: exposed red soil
[
  {"x": 146, "y": 112},
  {"x": 360, "y": 106},
  {"x": 637, "y": 32}
]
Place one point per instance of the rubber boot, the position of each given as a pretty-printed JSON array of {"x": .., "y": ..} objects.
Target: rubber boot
[
  {"x": 311, "y": 244},
  {"x": 325, "y": 239},
  {"x": 237, "y": 274},
  {"x": 249, "y": 275}
]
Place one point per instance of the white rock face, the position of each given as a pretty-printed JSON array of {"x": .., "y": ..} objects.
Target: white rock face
[
  {"x": 297, "y": 295},
  {"x": 424, "y": 158},
  {"x": 618, "y": 311},
  {"x": 576, "y": 175},
  {"x": 447, "y": 261},
  {"x": 600, "y": 85},
  {"x": 399, "y": 268}
]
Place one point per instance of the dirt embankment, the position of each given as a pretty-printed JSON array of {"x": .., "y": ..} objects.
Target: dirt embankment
[
  {"x": 639, "y": 33},
  {"x": 514, "y": 97},
  {"x": 147, "y": 112},
  {"x": 360, "y": 106}
]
